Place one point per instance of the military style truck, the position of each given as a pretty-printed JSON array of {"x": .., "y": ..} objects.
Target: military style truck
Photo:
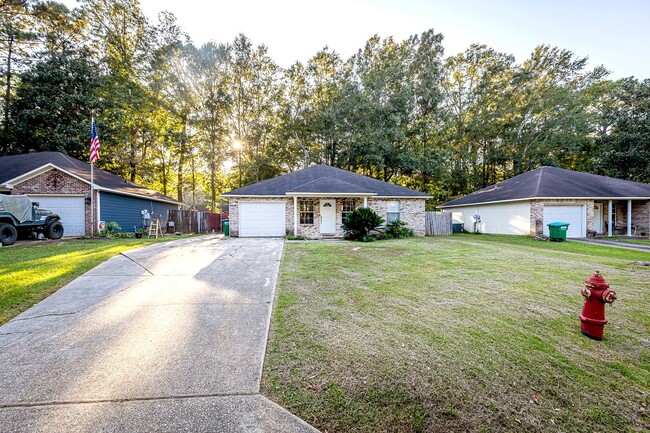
[{"x": 20, "y": 216}]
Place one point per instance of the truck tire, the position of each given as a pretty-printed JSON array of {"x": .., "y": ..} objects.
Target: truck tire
[
  {"x": 54, "y": 230},
  {"x": 8, "y": 234}
]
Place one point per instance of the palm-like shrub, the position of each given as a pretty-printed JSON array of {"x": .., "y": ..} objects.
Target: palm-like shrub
[{"x": 360, "y": 223}]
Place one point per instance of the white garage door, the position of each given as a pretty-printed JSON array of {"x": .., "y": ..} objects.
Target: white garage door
[
  {"x": 70, "y": 209},
  {"x": 261, "y": 219},
  {"x": 574, "y": 215}
]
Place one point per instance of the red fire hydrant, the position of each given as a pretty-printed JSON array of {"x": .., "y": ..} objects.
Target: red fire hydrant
[{"x": 597, "y": 294}]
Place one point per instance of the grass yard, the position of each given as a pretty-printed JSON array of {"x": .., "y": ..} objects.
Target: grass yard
[
  {"x": 31, "y": 272},
  {"x": 637, "y": 241},
  {"x": 458, "y": 334}
]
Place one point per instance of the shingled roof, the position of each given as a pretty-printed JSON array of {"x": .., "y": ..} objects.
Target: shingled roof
[
  {"x": 555, "y": 183},
  {"x": 15, "y": 166},
  {"x": 324, "y": 179}
]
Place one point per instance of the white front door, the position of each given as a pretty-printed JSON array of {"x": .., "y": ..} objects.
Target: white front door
[
  {"x": 328, "y": 217},
  {"x": 598, "y": 218}
]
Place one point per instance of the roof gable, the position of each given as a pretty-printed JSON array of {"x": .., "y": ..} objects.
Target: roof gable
[
  {"x": 324, "y": 179},
  {"x": 330, "y": 185},
  {"x": 17, "y": 166},
  {"x": 554, "y": 182}
]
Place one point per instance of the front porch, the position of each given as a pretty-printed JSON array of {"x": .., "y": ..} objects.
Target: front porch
[
  {"x": 629, "y": 218},
  {"x": 321, "y": 215}
]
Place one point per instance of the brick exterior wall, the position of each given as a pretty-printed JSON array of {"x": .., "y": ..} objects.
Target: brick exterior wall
[
  {"x": 56, "y": 182},
  {"x": 412, "y": 211},
  {"x": 641, "y": 217},
  {"x": 536, "y": 218}
]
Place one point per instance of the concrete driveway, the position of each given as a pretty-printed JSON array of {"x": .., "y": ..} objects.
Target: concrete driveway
[{"x": 165, "y": 338}]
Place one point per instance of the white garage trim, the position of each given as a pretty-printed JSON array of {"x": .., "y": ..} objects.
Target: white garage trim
[
  {"x": 262, "y": 218},
  {"x": 70, "y": 207},
  {"x": 574, "y": 215}
]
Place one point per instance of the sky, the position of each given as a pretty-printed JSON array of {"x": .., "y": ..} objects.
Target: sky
[{"x": 611, "y": 33}]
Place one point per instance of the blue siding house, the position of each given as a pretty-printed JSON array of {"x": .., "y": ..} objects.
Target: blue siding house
[{"x": 127, "y": 210}]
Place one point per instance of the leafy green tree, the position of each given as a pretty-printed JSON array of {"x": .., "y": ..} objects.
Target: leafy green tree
[
  {"x": 53, "y": 105},
  {"x": 254, "y": 92},
  {"x": 17, "y": 42},
  {"x": 626, "y": 148},
  {"x": 213, "y": 105},
  {"x": 547, "y": 121},
  {"x": 474, "y": 105}
]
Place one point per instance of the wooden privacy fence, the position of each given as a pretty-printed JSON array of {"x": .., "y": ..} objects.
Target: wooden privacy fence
[
  {"x": 189, "y": 221},
  {"x": 438, "y": 224}
]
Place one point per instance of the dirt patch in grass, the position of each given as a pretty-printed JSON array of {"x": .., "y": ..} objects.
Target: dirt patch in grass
[{"x": 458, "y": 334}]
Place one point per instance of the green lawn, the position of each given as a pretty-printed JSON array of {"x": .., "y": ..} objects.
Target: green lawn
[
  {"x": 458, "y": 334},
  {"x": 33, "y": 271},
  {"x": 637, "y": 241}
]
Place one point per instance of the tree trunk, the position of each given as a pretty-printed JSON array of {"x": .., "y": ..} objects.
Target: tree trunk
[
  {"x": 181, "y": 160},
  {"x": 8, "y": 78},
  {"x": 213, "y": 189},
  {"x": 164, "y": 178},
  {"x": 193, "y": 182}
]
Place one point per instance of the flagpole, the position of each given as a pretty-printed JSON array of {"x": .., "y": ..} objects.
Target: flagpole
[
  {"x": 92, "y": 201},
  {"x": 92, "y": 184},
  {"x": 94, "y": 156}
]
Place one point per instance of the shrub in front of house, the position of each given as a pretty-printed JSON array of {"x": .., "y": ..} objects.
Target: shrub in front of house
[
  {"x": 360, "y": 222},
  {"x": 398, "y": 229},
  {"x": 291, "y": 237}
]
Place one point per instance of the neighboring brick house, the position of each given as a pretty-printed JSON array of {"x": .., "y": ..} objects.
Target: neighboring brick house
[
  {"x": 313, "y": 202},
  {"x": 62, "y": 184},
  {"x": 525, "y": 204}
]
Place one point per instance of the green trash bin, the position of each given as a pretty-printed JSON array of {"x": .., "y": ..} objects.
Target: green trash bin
[
  {"x": 226, "y": 227},
  {"x": 557, "y": 231}
]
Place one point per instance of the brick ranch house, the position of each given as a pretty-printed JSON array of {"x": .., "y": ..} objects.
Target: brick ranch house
[
  {"x": 313, "y": 202},
  {"x": 525, "y": 204},
  {"x": 62, "y": 184}
]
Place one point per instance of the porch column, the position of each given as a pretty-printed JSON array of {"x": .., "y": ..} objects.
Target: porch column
[
  {"x": 629, "y": 217},
  {"x": 295, "y": 215},
  {"x": 365, "y": 202},
  {"x": 609, "y": 218}
]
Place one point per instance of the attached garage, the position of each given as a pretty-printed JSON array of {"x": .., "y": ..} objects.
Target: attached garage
[
  {"x": 70, "y": 208},
  {"x": 63, "y": 185},
  {"x": 261, "y": 219},
  {"x": 574, "y": 215}
]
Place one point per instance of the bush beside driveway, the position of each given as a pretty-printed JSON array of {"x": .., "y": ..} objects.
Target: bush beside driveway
[{"x": 458, "y": 334}]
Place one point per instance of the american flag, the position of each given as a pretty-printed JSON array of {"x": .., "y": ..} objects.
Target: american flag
[{"x": 94, "y": 144}]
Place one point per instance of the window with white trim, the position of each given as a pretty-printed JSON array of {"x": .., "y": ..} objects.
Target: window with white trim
[
  {"x": 347, "y": 207},
  {"x": 307, "y": 212},
  {"x": 392, "y": 211}
]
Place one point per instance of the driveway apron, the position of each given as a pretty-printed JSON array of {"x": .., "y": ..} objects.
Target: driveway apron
[{"x": 164, "y": 338}]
